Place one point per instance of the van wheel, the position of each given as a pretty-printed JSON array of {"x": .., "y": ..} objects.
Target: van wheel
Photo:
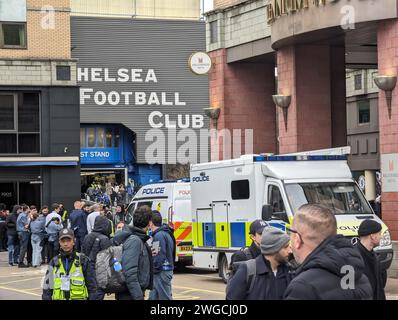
[{"x": 223, "y": 268}]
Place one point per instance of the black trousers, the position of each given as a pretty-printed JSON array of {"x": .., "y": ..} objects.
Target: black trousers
[{"x": 3, "y": 236}]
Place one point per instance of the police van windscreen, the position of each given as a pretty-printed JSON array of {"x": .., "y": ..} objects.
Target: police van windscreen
[{"x": 340, "y": 198}]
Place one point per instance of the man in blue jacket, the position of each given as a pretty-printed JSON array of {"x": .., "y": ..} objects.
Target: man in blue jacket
[
  {"x": 78, "y": 225},
  {"x": 163, "y": 248}
]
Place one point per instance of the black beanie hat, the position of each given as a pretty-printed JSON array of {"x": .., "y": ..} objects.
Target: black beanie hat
[{"x": 368, "y": 227}]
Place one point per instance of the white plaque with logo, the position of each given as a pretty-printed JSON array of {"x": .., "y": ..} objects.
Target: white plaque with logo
[
  {"x": 389, "y": 172},
  {"x": 200, "y": 63}
]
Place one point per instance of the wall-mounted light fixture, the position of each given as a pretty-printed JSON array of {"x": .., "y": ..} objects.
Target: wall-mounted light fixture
[
  {"x": 283, "y": 102},
  {"x": 213, "y": 114},
  {"x": 387, "y": 84}
]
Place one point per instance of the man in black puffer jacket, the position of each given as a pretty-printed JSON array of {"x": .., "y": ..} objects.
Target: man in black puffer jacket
[
  {"x": 330, "y": 268},
  {"x": 97, "y": 240}
]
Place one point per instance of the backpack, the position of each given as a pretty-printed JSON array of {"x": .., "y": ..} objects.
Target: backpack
[
  {"x": 250, "y": 274},
  {"x": 108, "y": 279}
]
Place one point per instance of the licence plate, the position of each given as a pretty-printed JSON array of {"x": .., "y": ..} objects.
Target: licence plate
[{"x": 186, "y": 248}]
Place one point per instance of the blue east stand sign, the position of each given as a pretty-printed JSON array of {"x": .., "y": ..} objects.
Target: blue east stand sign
[{"x": 103, "y": 155}]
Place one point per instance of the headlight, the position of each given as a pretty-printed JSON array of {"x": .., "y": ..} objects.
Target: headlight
[{"x": 386, "y": 239}]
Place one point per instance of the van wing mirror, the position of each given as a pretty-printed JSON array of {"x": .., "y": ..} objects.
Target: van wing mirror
[{"x": 266, "y": 213}]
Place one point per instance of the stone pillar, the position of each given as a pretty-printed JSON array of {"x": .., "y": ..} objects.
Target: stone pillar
[
  {"x": 243, "y": 91},
  {"x": 387, "y": 45},
  {"x": 370, "y": 185},
  {"x": 314, "y": 75}
]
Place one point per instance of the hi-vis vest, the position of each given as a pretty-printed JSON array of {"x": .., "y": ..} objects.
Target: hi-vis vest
[{"x": 78, "y": 288}]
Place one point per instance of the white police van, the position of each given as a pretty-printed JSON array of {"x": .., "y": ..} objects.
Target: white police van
[
  {"x": 173, "y": 200},
  {"x": 228, "y": 195}
]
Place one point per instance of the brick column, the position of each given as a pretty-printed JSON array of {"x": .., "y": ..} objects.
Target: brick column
[
  {"x": 244, "y": 91},
  {"x": 314, "y": 76},
  {"x": 387, "y": 44}
]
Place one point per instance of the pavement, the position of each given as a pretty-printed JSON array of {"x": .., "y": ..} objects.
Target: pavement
[{"x": 190, "y": 284}]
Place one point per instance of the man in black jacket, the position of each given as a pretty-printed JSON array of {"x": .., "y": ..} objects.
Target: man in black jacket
[
  {"x": 330, "y": 267},
  {"x": 369, "y": 233},
  {"x": 268, "y": 276},
  {"x": 78, "y": 224},
  {"x": 137, "y": 256},
  {"x": 252, "y": 252},
  {"x": 13, "y": 241},
  {"x": 97, "y": 240}
]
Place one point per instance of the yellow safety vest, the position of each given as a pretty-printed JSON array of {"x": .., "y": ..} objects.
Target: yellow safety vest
[{"x": 78, "y": 288}]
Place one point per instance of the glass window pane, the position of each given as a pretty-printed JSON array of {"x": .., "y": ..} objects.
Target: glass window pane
[
  {"x": 8, "y": 143},
  {"x": 363, "y": 111},
  {"x": 7, "y": 112},
  {"x": 90, "y": 137},
  {"x": 108, "y": 137},
  {"x": 117, "y": 137},
  {"x": 240, "y": 189},
  {"x": 14, "y": 35},
  {"x": 100, "y": 137},
  {"x": 28, "y": 112},
  {"x": 28, "y": 143},
  {"x": 83, "y": 138},
  {"x": 275, "y": 199}
]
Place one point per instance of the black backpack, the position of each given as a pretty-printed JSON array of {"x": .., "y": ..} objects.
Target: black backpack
[{"x": 250, "y": 274}]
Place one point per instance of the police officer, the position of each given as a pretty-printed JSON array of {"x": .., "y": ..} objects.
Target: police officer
[{"x": 69, "y": 275}]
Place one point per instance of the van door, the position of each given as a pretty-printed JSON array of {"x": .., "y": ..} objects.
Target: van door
[
  {"x": 275, "y": 198},
  {"x": 220, "y": 219},
  {"x": 205, "y": 228}
]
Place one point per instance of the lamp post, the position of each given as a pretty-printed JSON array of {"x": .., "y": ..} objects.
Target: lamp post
[
  {"x": 283, "y": 102},
  {"x": 387, "y": 84},
  {"x": 213, "y": 114}
]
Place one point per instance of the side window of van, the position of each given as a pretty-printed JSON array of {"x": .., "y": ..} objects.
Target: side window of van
[{"x": 275, "y": 199}]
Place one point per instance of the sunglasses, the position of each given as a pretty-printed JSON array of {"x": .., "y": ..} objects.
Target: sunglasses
[{"x": 289, "y": 231}]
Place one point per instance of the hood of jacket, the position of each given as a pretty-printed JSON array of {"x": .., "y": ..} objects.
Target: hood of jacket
[
  {"x": 332, "y": 254},
  {"x": 102, "y": 225},
  {"x": 126, "y": 232},
  {"x": 163, "y": 227}
]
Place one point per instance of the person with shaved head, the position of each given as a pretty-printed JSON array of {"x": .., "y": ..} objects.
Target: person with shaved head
[{"x": 329, "y": 267}]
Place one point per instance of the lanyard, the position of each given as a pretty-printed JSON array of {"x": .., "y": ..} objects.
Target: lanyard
[{"x": 66, "y": 266}]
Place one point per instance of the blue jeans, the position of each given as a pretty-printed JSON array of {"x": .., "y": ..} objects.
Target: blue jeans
[
  {"x": 23, "y": 242},
  {"x": 13, "y": 249},
  {"x": 162, "y": 286},
  {"x": 36, "y": 255}
]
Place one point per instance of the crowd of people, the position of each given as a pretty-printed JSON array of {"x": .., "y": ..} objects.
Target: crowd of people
[
  {"x": 70, "y": 243},
  {"x": 110, "y": 193},
  {"x": 309, "y": 262}
]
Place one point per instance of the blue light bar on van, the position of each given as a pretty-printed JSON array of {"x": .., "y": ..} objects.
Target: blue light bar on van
[{"x": 299, "y": 158}]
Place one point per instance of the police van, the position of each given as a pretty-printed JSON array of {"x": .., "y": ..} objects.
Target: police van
[
  {"x": 173, "y": 200},
  {"x": 228, "y": 195}
]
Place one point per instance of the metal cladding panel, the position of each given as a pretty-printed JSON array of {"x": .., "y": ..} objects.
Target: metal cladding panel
[{"x": 162, "y": 45}]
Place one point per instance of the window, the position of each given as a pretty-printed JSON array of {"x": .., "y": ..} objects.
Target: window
[
  {"x": 117, "y": 137},
  {"x": 358, "y": 81},
  {"x": 240, "y": 189},
  {"x": 213, "y": 32},
  {"x": 63, "y": 73},
  {"x": 7, "y": 107},
  {"x": 100, "y": 137},
  {"x": 13, "y": 35},
  {"x": 275, "y": 199},
  {"x": 83, "y": 138},
  {"x": 20, "y": 123},
  {"x": 91, "y": 137},
  {"x": 108, "y": 137},
  {"x": 363, "y": 111}
]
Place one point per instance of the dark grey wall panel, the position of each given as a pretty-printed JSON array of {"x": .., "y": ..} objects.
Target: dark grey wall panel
[
  {"x": 8, "y": 174},
  {"x": 162, "y": 45}
]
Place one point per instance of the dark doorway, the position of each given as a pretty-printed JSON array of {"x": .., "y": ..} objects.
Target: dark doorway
[
  {"x": 8, "y": 194},
  {"x": 29, "y": 194}
]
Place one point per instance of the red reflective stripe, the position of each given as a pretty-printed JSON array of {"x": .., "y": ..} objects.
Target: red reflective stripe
[{"x": 184, "y": 234}]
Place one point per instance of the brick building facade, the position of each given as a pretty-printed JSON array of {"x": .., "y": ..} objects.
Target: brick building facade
[
  {"x": 311, "y": 57},
  {"x": 39, "y": 98}
]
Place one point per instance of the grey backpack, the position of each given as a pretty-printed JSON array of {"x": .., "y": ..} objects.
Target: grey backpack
[
  {"x": 108, "y": 279},
  {"x": 250, "y": 273}
]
